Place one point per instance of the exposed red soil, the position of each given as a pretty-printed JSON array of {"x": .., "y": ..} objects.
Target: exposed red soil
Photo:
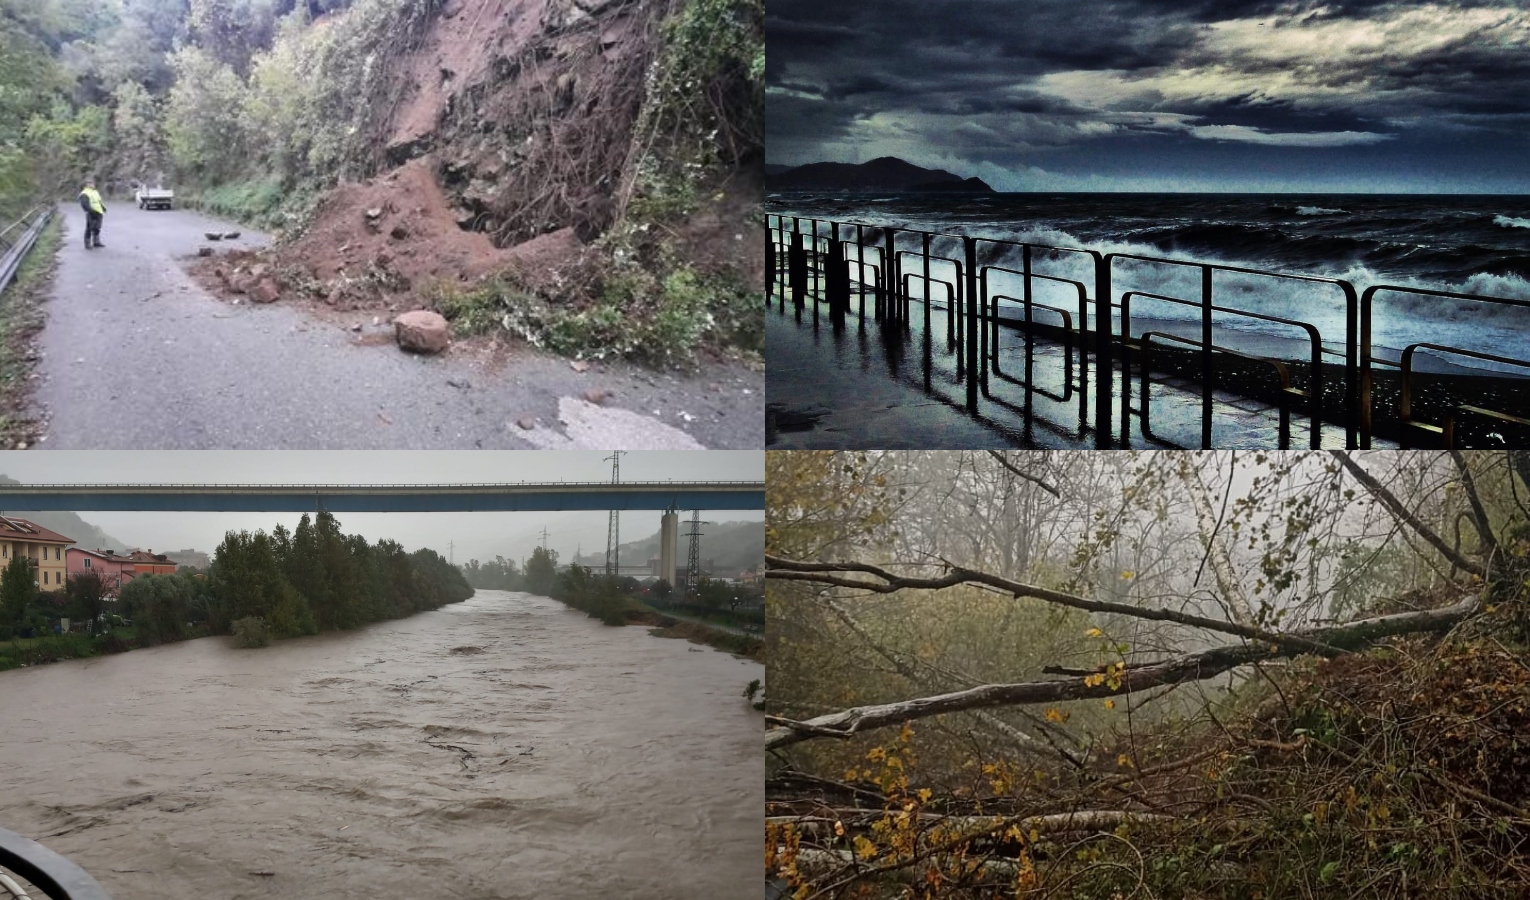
[{"x": 509, "y": 130}]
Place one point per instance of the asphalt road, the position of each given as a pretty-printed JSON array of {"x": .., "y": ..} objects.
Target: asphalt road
[{"x": 137, "y": 356}]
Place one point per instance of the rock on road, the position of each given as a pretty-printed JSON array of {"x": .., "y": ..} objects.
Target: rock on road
[{"x": 137, "y": 356}]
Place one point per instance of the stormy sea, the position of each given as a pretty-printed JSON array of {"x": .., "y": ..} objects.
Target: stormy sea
[{"x": 1468, "y": 244}]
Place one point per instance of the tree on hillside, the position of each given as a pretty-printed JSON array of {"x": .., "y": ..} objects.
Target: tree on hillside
[{"x": 205, "y": 125}]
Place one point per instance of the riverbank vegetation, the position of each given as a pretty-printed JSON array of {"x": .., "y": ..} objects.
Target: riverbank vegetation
[
  {"x": 259, "y": 587},
  {"x": 1159, "y": 675}
]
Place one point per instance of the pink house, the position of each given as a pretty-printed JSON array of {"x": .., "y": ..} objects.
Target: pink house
[{"x": 115, "y": 571}]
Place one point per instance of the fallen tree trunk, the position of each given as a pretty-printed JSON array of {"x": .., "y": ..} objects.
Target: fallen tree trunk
[
  {"x": 1178, "y": 670},
  {"x": 974, "y": 826}
]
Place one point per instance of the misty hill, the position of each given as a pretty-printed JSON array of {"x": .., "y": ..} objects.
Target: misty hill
[
  {"x": 887, "y": 173},
  {"x": 68, "y": 524},
  {"x": 732, "y": 547}
]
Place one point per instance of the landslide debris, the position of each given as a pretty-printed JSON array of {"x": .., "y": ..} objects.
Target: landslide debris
[{"x": 541, "y": 174}]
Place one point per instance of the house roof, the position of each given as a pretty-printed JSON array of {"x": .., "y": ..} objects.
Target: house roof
[
  {"x": 12, "y": 528},
  {"x": 150, "y": 557},
  {"x": 100, "y": 554}
]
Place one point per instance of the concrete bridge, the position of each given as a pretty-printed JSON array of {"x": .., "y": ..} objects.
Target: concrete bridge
[{"x": 349, "y": 498}]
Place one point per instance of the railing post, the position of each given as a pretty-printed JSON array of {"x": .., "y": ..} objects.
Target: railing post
[
  {"x": 1357, "y": 393},
  {"x": 1207, "y": 369},
  {"x": 837, "y": 278},
  {"x": 889, "y": 292},
  {"x": 796, "y": 266},
  {"x": 928, "y": 346},
  {"x": 770, "y": 262},
  {"x": 860, "y": 271},
  {"x": 970, "y": 244},
  {"x": 1103, "y": 387}
]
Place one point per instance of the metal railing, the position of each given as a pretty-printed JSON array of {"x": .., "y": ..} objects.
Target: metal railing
[
  {"x": 55, "y": 876},
  {"x": 17, "y": 239},
  {"x": 1337, "y": 380}
]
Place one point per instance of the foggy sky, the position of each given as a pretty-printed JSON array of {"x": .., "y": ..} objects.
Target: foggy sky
[
  {"x": 1349, "y": 95},
  {"x": 477, "y": 535}
]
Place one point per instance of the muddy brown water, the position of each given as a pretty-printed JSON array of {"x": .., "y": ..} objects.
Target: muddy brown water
[{"x": 504, "y": 747}]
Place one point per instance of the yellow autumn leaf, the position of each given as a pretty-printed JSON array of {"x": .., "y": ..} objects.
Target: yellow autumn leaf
[
  {"x": 1056, "y": 715},
  {"x": 1094, "y": 680},
  {"x": 1110, "y": 704},
  {"x": 1128, "y": 575},
  {"x": 863, "y": 848},
  {"x": 924, "y": 795},
  {"x": 1094, "y": 632},
  {"x": 1124, "y": 761}
]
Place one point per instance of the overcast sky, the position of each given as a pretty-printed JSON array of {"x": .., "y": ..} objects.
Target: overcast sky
[
  {"x": 477, "y": 535},
  {"x": 1351, "y": 95}
]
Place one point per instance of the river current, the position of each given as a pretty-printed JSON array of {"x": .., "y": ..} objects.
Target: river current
[{"x": 503, "y": 747}]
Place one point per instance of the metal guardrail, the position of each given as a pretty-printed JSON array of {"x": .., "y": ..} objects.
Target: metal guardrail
[
  {"x": 831, "y": 263},
  {"x": 16, "y": 241},
  {"x": 55, "y": 876}
]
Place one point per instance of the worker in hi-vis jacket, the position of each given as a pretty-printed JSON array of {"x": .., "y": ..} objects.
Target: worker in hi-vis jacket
[{"x": 95, "y": 210}]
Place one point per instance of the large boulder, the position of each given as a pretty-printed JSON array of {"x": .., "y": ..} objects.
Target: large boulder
[
  {"x": 422, "y": 331},
  {"x": 265, "y": 290}
]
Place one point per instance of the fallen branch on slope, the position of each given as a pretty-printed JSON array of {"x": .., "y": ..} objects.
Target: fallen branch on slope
[{"x": 1190, "y": 667}]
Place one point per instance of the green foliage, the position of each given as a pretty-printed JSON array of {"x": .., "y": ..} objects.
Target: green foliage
[
  {"x": 49, "y": 648},
  {"x": 139, "y": 142},
  {"x": 205, "y": 123},
  {"x": 251, "y": 632},
  {"x": 87, "y": 598},
  {"x": 637, "y": 315},
  {"x": 597, "y": 595},
  {"x": 18, "y": 590},
  {"x": 161, "y": 607},
  {"x": 541, "y": 571},
  {"x": 704, "y": 106},
  {"x": 499, "y": 574}
]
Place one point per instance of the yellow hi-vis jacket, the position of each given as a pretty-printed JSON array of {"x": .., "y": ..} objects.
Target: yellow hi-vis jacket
[{"x": 93, "y": 197}]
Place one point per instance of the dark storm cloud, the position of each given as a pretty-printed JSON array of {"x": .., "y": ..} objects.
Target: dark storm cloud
[{"x": 1084, "y": 87}]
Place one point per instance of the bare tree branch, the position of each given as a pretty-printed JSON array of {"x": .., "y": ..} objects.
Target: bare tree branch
[
  {"x": 1003, "y": 461},
  {"x": 1390, "y": 501},
  {"x": 824, "y": 573},
  {"x": 1479, "y": 515},
  {"x": 1190, "y": 667}
]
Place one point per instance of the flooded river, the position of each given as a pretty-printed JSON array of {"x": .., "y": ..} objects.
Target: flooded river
[{"x": 504, "y": 747}]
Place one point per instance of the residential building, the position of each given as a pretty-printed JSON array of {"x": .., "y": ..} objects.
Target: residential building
[
  {"x": 148, "y": 562},
  {"x": 195, "y": 558},
  {"x": 18, "y": 537},
  {"x": 115, "y": 569}
]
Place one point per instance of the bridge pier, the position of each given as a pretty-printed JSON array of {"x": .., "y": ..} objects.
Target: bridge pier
[{"x": 669, "y": 545}]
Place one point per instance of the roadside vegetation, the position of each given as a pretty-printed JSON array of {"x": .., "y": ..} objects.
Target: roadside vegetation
[
  {"x": 260, "y": 587},
  {"x": 21, "y": 318},
  {"x": 1163, "y": 675}
]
